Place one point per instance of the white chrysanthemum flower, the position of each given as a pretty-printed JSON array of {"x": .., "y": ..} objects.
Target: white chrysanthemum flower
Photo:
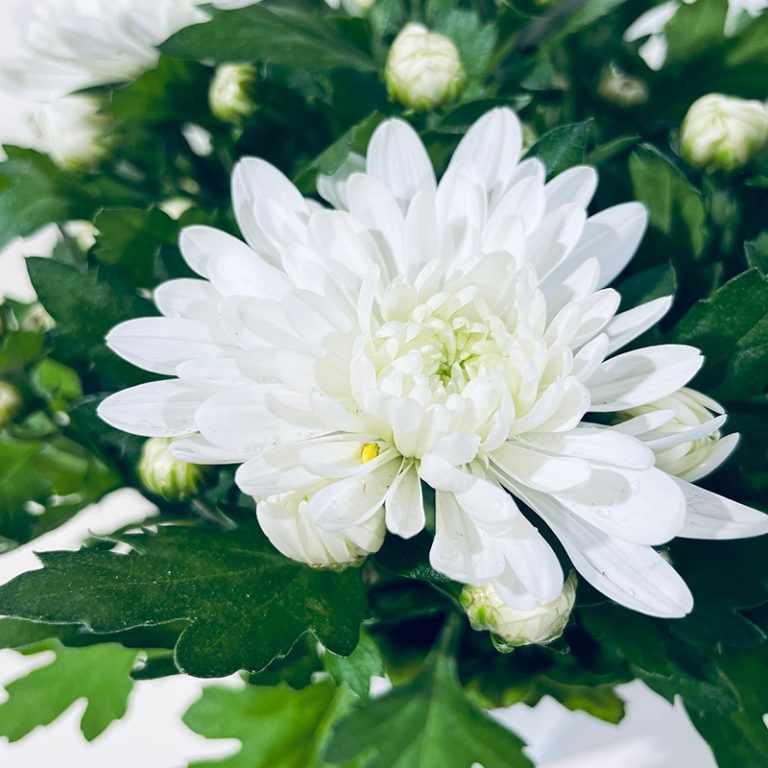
[
  {"x": 457, "y": 334},
  {"x": 511, "y": 628},
  {"x": 77, "y": 44},
  {"x": 723, "y": 132},
  {"x": 73, "y": 131}
]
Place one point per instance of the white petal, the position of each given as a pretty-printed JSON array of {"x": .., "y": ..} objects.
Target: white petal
[
  {"x": 397, "y": 158},
  {"x": 633, "y": 575},
  {"x": 539, "y": 470},
  {"x": 187, "y": 298},
  {"x": 630, "y": 324},
  {"x": 195, "y": 449},
  {"x": 554, "y": 239},
  {"x": 577, "y": 185},
  {"x": 533, "y": 564},
  {"x": 353, "y": 500},
  {"x": 493, "y": 145},
  {"x": 642, "y": 376},
  {"x": 605, "y": 446},
  {"x": 712, "y": 458},
  {"x": 644, "y": 507},
  {"x": 158, "y": 409},
  {"x": 612, "y": 237},
  {"x": 159, "y": 344},
  {"x": 333, "y": 187},
  {"x": 460, "y": 550},
  {"x": 710, "y": 516},
  {"x": 404, "y": 504}
]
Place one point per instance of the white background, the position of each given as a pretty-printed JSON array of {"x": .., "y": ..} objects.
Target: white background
[{"x": 653, "y": 735}]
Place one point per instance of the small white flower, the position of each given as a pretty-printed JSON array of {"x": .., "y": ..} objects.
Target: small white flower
[
  {"x": 230, "y": 95},
  {"x": 457, "y": 334},
  {"x": 423, "y": 68},
  {"x": 352, "y": 7},
  {"x": 510, "y": 627},
  {"x": 73, "y": 132},
  {"x": 723, "y": 132},
  {"x": 165, "y": 475},
  {"x": 77, "y": 44}
]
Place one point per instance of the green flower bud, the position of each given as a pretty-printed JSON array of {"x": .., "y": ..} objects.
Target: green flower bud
[
  {"x": 510, "y": 627},
  {"x": 165, "y": 475},
  {"x": 619, "y": 88},
  {"x": 723, "y": 132},
  {"x": 230, "y": 95},
  {"x": 10, "y": 402},
  {"x": 423, "y": 68}
]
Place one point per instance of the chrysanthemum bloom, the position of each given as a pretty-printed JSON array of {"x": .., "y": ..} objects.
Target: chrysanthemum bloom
[
  {"x": 455, "y": 334},
  {"x": 76, "y": 44}
]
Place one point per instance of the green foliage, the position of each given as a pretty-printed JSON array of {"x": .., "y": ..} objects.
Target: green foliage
[
  {"x": 356, "y": 670},
  {"x": 562, "y": 147},
  {"x": 278, "y": 727},
  {"x": 245, "y": 604},
  {"x": 283, "y": 32},
  {"x": 98, "y": 673},
  {"x": 425, "y": 723}
]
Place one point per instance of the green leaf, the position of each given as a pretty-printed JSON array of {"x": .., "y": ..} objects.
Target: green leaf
[
  {"x": 692, "y": 32},
  {"x": 425, "y": 723},
  {"x": 283, "y": 32},
  {"x": 245, "y": 603},
  {"x": 587, "y": 14},
  {"x": 473, "y": 39},
  {"x": 173, "y": 91},
  {"x": 277, "y": 727},
  {"x": 85, "y": 306},
  {"x": 44, "y": 482},
  {"x": 357, "y": 669},
  {"x": 562, "y": 147},
  {"x": 98, "y": 673},
  {"x": 756, "y": 252},
  {"x": 675, "y": 207},
  {"x": 731, "y": 328}
]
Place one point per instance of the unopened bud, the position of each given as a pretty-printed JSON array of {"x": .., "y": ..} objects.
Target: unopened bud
[
  {"x": 723, "y": 132},
  {"x": 165, "y": 475},
  {"x": 10, "y": 402},
  {"x": 510, "y": 627},
  {"x": 619, "y": 88},
  {"x": 423, "y": 68},
  {"x": 231, "y": 93},
  {"x": 73, "y": 132}
]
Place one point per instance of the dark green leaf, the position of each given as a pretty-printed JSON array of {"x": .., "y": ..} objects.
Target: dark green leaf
[
  {"x": 357, "y": 669},
  {"x": 562, "y": 147},
  {"x": 245, "y": 603},
  {"x": 674, "y": 206},
  {"x": 98, "y": 673},
  {"x": 284, "y": 32}
]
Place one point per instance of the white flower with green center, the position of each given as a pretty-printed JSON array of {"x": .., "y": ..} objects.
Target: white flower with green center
[
  {"x": 456, "y": 334},
  {"x": 77, "y": 44}
]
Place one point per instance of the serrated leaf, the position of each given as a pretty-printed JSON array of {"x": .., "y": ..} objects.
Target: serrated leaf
[
  {"x": 277, "y": 727},
  {"x": 357, "y": 669},
  {"x": 245, "y": 603},
  {"x": 562, "y": 148},
  {"x": 283, "y": 32},
  {"x": 675, "y": 207},
  {"x": 98, "y": 673},
  {"x": 425, "y": 723}
]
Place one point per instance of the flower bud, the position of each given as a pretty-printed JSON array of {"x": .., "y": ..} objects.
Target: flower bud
[
  {"x": 683, "y": 430},
  {"x": 73, "y": 132},
  {"x": 723, "y": 132},
  {"x": 617, "y": 87},
  {"x": 423, "y": 68},
  {"x": 352, "y": 7},
  {"x": 510, "y": 627},
  {"x": 165, "y": 475},
  {"x": 286, "y": 521},
  {"x": 231, "y": 93},
  {"x": 10, "y": 402}
]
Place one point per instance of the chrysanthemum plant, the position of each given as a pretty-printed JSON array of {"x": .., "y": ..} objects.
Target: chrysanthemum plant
[{"x": 413, "y": 395}]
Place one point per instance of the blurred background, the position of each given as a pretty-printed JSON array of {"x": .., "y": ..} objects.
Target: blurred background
[{"x": 654, "y": 734}]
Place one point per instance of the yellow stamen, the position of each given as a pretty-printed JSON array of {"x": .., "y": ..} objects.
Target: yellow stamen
[{"x": 370, "y": 452}]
